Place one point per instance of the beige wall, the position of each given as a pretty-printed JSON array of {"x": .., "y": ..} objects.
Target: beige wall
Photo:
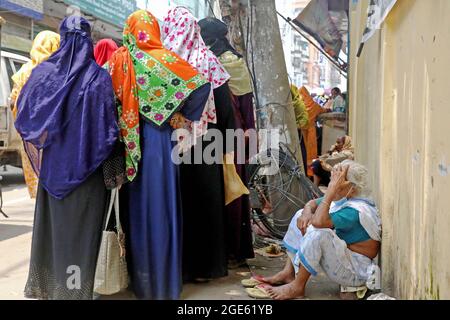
[{"x": 400, "y": 121}]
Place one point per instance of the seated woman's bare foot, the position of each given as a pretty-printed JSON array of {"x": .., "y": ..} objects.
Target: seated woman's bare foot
[
  {"x": 282, "y": 277},
  {"x": 287, "y": 292}
]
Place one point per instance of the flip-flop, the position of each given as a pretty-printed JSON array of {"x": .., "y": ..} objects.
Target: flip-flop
[
  {"x": 258, "y": 292},
  {"x": 250, "y": 283},
  {"x": 258, "y": 280},
  {"x": 253, "y": 281}
]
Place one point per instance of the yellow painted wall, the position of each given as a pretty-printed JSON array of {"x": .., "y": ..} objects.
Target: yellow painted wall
[{"x": 400, "y": 122}]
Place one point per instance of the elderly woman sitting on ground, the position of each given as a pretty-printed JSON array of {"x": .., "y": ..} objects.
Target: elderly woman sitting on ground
[{"x": 339, "y": 234}]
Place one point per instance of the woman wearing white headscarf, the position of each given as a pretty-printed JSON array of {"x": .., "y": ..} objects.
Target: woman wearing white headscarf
[{"x": 339, "y": 234}]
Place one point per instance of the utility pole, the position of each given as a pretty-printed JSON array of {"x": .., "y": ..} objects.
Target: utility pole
[{"x": 271, "y": 81}]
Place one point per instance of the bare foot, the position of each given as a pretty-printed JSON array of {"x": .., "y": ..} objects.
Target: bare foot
[
  {"x": 282, "y": 277},
  {"x": 287, "y": 292}
]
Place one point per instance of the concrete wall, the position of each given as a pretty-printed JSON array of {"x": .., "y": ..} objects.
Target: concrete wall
[{"x": 400, "y": 121}]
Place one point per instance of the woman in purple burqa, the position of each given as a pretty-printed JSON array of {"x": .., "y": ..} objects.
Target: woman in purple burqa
[{"x": 67, "y": 119}]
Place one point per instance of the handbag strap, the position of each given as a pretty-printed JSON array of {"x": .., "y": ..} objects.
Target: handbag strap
[
  {"x": 116, "y": 209},
  {"x": 114, "y": 202}
]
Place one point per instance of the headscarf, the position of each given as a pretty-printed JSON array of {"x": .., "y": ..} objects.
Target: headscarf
[
  {"x": 149, "y": 80},
  {"x": 347, "y": 144},
  {"x": 66, "y": 110},
  {"x": 44, "y": 45},
  {"x": 214, "y": 33},
  {"x": 103, "y": 50},
  {"x": 309, "y": 133},
  {"x": 301, "y": 115},
  {"x": 181, "y": 34}
]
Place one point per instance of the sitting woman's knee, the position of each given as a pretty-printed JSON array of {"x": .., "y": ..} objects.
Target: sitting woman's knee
[{"x": 318, "y": 234}]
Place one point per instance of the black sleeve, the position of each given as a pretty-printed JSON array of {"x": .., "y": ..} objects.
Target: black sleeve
[
  {"x": 225, "y": 114},
  {"x": 224, "y": 108}
]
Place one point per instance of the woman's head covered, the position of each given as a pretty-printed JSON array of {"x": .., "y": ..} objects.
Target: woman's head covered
[{"x": 358, "y": 175}]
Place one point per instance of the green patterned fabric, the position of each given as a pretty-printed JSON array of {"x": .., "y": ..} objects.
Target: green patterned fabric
[{"x": 161, "y": 92}]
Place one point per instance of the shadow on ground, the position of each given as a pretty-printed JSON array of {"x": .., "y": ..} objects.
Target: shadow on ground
[
  {"x": 230, "y": 288},
  {"x": 9, "y": 231}
]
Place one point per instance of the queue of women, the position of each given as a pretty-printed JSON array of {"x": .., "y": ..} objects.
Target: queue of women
[
  {"x": 103, "y": 118},
  {"x": 99, "y": 119}
]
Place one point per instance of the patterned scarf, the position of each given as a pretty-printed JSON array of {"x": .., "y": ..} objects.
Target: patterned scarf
[
  {"x": 181, "y": 34},
  {"x": 149, "y": 81}
]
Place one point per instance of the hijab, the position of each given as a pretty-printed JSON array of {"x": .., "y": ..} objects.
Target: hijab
[
  {"x": 214, "y": 33},
  {"x": 44, "y": 45},
  {"x": 150, "y": 81},
  {"x": 347, "y": 144},
  {"x": 66, "y": 112},
  {"x": 103, "y": 50},
  {"x": 181, "y": 34}
]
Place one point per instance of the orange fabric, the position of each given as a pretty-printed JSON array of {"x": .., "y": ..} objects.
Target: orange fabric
[
  {"x": 310, "y": 134},
  {"x": 142, "y": 37},
  {"x": 124, "y": 83},
  {"x": 148, "y": 37}
]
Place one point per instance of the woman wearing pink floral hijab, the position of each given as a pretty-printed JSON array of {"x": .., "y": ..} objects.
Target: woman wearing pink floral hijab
[
  {"x": 202, "y": 185},
  {"x": 181, "y": 34}
]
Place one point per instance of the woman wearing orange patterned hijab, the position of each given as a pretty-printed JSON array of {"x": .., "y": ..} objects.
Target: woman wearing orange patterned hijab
[{"x": 157, "y": 91}]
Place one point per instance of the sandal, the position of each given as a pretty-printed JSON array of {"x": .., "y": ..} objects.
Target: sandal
[
  {"x": 258, "y": 292},
  {"x": 253, "y": 281}
]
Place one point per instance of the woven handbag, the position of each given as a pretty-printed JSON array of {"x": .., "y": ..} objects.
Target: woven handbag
[{"x": 111, "y": 274}]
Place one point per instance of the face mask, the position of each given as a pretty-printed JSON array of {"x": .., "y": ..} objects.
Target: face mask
[
  {"x": 341, "y": 202},
  {"x": 344, "y": 199}
]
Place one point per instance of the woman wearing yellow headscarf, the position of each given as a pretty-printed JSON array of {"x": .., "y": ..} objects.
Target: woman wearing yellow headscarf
[{"x": 44, "y": 45}]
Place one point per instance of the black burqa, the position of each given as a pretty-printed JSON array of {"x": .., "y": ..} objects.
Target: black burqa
[{"x": 202, "y": 186}]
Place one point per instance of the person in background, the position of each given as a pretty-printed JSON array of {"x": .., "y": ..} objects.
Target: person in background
[
  {"x": 67, "y": 117},
  {"x": 157, "y": 92},
  {"x": 301, "y": 118},
  {"x": 44, "y": 45},
  {"x": 214, "y": 33},
  {"x": 322, "y": 167},
  {"x": 103, "y": 51},
  {"x": 238, "y": 231},
  {"x": 337, "y": 102},
  {"x": 310, "y": 133}
]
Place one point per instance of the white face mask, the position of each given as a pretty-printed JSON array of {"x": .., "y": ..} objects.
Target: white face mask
[{"x": 344, "y": 199}]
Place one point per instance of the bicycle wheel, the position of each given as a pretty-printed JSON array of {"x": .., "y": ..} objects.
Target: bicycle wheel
[{"x": 276, "y": 195}]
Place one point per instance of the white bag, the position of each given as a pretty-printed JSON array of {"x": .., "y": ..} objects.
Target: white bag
[{"x": 111, "y": 275}]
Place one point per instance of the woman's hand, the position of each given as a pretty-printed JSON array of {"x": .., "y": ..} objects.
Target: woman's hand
[
  {"x": 177, "y": 121},
  {"x": 303, "y": 222},
  {"x": 338, "y": 179}
]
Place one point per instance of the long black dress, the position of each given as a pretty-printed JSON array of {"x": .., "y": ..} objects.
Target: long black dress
[
  {"x": 66, "y": 239},
  {"x": 202, "y": 186}
]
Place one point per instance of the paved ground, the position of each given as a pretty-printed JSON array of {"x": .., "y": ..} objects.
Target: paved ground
[
  {"x": 15, "y": 244},
  {"x": 15, "y": 235}
]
